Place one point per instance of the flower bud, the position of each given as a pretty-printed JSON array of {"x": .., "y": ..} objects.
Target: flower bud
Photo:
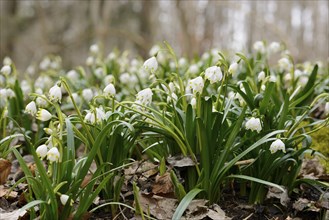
[
  {"x": 64, "y": 198},
  {"x": 233, "y": 68},
  {"x": 87, "y": 94},
  {"x": 31, "y": 108},
  {"x": 261, "y": 76},
  {"x": 109, "y": 90},
  {"x": 55, "y": 93},
  {"x": 151, "y": 64}
]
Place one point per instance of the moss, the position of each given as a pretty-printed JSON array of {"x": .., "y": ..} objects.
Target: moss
[{"x": 320, "y": 142}]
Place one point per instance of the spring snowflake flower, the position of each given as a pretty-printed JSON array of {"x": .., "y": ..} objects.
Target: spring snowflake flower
[
  {"x": 55, "y": 93},
  {"x": 41, "y": 101},
  {"x": 254, "y": 124},
  {"x": 109, "y": 90},
  {"x": 274, "y": 47},
  {"x": 193, "y": 103},
  {"x": 277, "y": 145},
  {"x": 43, "y": 115},
  {"x": 213, "y": 74},
  {"x": 53, "y": 154},
  {"x": 6, "y": 70},
  {"x": 194, "y": 69},
  {"x": 326, "y": 108},
  {"x": 42, "y": 151},
  {"x": 259, "y": 46},
  {"x": 73, "y": 75},
  {"x": 64, "y": 198},
  {"x": 87, "y": 94},
  {"x": 124, "y": 78},
  {"x": 173, "y": 97},
  {"x": 196, "y": 84},
  {"x": 90, "y": 61},
  {"x": 100, "y": 115},
  {"x": 94, "y": 49},
  {"x": 285, "y": 64},
  {"x": 151, "y": 64},
  {"x": 144, "y": 97},
  {"x": 90, "y": 117},
  {"x": 154, "y": 50},
  {"x": 31, "y": 108},
  {"x": 233, "y": 68},
  {"x": 261, "y": 76}
]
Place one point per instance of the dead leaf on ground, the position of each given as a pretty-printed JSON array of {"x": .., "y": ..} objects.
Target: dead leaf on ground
[
  {"x": 14, "y": 215},
  {"x": 180, "y": 161},
  {"x": 5, "y": 192},
  {"x": 274, "y": 192},
  {"x": 163, "y": 184},
  {"x": 303, "y": 204},
  {"x": 216, "y": 213},
  {"x": 324, "y": 201},
  {"x": 5, "y": 167}
]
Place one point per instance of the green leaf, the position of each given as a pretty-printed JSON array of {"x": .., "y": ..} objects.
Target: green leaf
[
  {"x": 267, "y": 95},
  {"x": 257, "y": 180},
  {"x": 32, "y": 204},
  {"x": 184, "y": 203}
]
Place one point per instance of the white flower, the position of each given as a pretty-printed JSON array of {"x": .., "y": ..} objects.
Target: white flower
[
  {"x": 233, "y": 68},
  {"x": 173, "y": 97},
  {"x": 277, "y": 145},
  {"x": 154, "y": 50},
  {"x": 42, "y": 151},
  {"x": 285, "y": 64},
  {"x": 94, "y": 49},
  {"x": 90, "y": 117},
  {"x": 73, "y": 75},
  {"x": 261, "y": 76},
  {"x": 172, "y": 87},
  {"x": 109, "y": 90},
  {"x": 87, "y": 94},
  {"x": 124, "y": 78},
  {"x": 41, "y": 102},
  {"x": 272, "y": 78},
  {"x": 326, "y": 108},
  {"x": 99, "y": 72},
  {"x": 196, "y": 84},
  {"x": 53, "y": 154},
  {"x": 213, "y": 74},
  {"x": 108, "y": 79},
  {"x": 43, "y": 115},
  {"x": 7, "y": 61},
  {"x": 193, "y": 103},
  {"x": 254, "y": 124},
  {"x": 151, "y": 64},
  {"x": 144, "y": 97},
  {"x": 26, "y": 88},
  {"x": 6, "y": 70},
  {"x": 64, "y": 199},
  {"x": 274, "y": 47},
  {"x": 259, "y": 46},
  {"x": 31, "y": 108},
  {"x": 303, "y": 80},
  {"x": 194, "y": 69},
  {"x": 100, "y": 115},
  {"x": 298, "y": 73},
  {"x": 10, "y": 93},
  {"x": 55, "y": 93},
  {"x": 90, "y": 61},
  {"x": 182, "y": 62},
  {"x": 45, "y": 63}
]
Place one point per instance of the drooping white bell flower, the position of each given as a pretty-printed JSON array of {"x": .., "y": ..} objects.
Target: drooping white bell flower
[
  {"x": 274, "y": 47},
  {"x": 64, "y": 198},
  {"x": 144, "y": 97},
  {"x": 55, "y": 93},
  {"x": 277, "y": 145},
  {"x": 6, "y": 70},
  {"x": 42, "y": 151},
  {"x": 90, "y": 117},
  {"x": 41, "y": 101},
  {"x": 254, "y": 124},
  {"x": 196, "y": 84},
  {"x": 213, "y": 74},
  {"x": 261, "y": 76},
  {"x": 285, "y": 64},
  {"x": 73, "y": 75},
  {"x": 100, "y": 115},
  {"x": 259, "y": 46},
  {"x": 87, "y": 94},
  {"x": 233, "y": 68},
  {"x": 31, "y": 108},
  {"x": 194, "y": 69},
  {"x": 109, "y": 90},
  {"x": 151, "y": 64},
  {"x": 94, "y": 49},
  {"x": 154, "y": 50},
  {"x": 43, "y": 115},
  {"x": 53, "y": 154}
]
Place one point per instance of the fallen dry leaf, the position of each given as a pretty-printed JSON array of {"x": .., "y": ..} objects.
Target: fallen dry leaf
[
  {"x": 7, "y": 193},
  {"x": 180, "y": 161},
  {"x": 324, "y": 201},
  {"x": 14, "y": 215},
  {"x": 216, "y": 213},
  {"x": 302, "y": 204},
  {"x": 277, "y": 193},
  {"x": 5, "y": 166},
  {"x": 163, "y": 184}
]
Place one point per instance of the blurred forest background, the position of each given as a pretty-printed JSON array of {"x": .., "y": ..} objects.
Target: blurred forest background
[{"x": 32, "y": 29}]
